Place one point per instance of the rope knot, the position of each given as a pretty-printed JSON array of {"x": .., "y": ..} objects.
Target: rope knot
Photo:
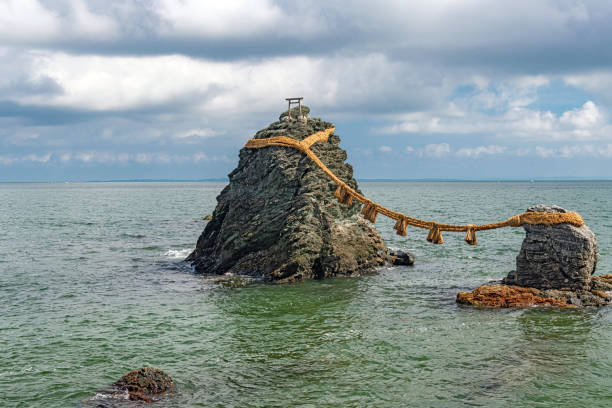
[
  {"x": 515, "y": 221},
  {"x": 435, "y": 235},
  {"x": 369, "y": 211},
  {"x": 470, "y": 235},
  {"x": 401, "y": 225},
  {"x": 343, "y": 195}
]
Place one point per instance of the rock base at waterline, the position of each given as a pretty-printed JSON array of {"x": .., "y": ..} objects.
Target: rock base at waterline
[{"x": 503, "y": 296}]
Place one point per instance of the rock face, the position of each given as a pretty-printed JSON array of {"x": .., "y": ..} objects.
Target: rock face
[
  {"x": 558, "y": 256},
  {"x": 278, "y": 218},
  {"x": 554, "y": 268},
  {"x": 144, "y": 385}
]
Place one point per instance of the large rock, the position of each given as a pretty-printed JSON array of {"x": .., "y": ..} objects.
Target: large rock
[
  {"x": 555, "y": 267},
  {"x": 278, "y": 218},
  {"x": 559, "y": 256}
]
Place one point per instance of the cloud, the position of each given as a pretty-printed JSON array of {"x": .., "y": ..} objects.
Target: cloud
[
  {"x": 31, "y": 22},
  {"x": 437, "y": 151},
  {"x": 572, "y": 151},
  {"x": 193, "y": 136},
  {"x": 108, "y": 158},
  {"x": 114, "y": 82},
  {"x": 385, "y": 149},
  {"x": 480, "y": 151},
  {"x": 584, "y": 123},
  {"x": 35, "y": 158}
]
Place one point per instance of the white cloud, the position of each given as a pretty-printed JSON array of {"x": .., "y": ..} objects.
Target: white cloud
[
  {"x": 228, "y": 18},
  {"x": 36, "y": 158},
  {"x": 31, "y": 21},
  {"x": 385, "y": 149},
  {"x": 572, "y": 151},
  {"x": 438, "y": 151},
  {"x": 27, "y": 20},
  {"x": 588, "y": 122},
  {"x": 194, "y": 135},
  {"x": 409, "y": 149},
  {"x": 480, "y": 151},
  {"x": 371, "y": 83}
]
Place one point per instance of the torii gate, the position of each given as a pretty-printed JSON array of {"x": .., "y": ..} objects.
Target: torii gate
[{"x": 294, "y": 101}]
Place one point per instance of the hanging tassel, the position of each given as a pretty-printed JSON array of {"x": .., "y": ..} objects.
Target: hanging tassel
[
  {"x": 435, "y": 235},
  {"x": 343, "y": 195},
  {"x": 400, "y": 226},
  {"x": 369, "y": 212},
  {"x": 470, "y": 235}
]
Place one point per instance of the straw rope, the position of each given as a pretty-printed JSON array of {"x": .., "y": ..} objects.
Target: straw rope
[{"x": 345, "y": 195}]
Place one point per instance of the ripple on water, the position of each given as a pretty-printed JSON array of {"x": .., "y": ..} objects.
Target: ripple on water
[{"x": 109, "y": 292}]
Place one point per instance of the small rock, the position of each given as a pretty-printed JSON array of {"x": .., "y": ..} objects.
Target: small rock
[
  {"x": 400, "y": 257},
  {"x": 207, "y": 218},
  {"x": 145, "y": 385}
]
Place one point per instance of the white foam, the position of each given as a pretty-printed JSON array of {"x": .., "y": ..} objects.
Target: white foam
[{"x": 178, "y": 253}]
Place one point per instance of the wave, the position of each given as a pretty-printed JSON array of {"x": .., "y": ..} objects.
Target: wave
[{"x": 178, "y": 253}]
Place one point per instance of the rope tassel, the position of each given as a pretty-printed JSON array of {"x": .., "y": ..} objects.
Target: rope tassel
[
  {"x": 369, "y": 212},
  {"x": 470, "y": 235},
  {"x": 400, "y": 226},
  {"x": 343, "y": 195},
  {"x": 435, "y": 235}
]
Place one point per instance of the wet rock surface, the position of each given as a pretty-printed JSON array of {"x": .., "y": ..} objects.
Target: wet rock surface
[
  {"x": 144, "y": 385},
  {"x": 278, "y": 218},
  {"x": 555, "y": 267}
]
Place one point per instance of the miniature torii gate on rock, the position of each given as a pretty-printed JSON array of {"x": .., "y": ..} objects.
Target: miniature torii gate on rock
[{"x": 295, "y": 101}]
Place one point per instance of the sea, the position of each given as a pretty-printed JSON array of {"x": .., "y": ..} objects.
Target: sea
[{"x": 93, "y": 285}]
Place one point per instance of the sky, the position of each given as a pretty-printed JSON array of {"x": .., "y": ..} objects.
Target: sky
[{"x": 172, "y": 89}]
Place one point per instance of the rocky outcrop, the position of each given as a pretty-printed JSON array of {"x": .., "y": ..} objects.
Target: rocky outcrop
[
  {"x": 559, "y": 256},
  {"x": 144, "y": 385},
  {"x": 278, "y": 218},
  {"x": 555, "y": 267}
]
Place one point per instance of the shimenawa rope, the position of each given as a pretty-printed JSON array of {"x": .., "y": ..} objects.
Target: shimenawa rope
[{"x": 345, "y": 195}]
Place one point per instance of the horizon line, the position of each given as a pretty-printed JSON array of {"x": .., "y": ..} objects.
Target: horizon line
[{"x": 364, "y": 179}]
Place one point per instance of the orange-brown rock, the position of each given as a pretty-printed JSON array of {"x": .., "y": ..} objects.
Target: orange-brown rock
[{"x": 509, "y": 296}]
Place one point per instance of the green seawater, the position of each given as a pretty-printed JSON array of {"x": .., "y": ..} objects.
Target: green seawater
[{"x": 92, "y": 286}]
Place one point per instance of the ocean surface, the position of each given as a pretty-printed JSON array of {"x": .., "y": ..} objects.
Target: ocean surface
[{"x": 92, "y": 286}]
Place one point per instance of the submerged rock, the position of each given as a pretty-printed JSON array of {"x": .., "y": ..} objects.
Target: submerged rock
[
  {"x": 279, "y": 220},
  {"x": 144, "y": 385},
  {"x": 554, "y": 268}
]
